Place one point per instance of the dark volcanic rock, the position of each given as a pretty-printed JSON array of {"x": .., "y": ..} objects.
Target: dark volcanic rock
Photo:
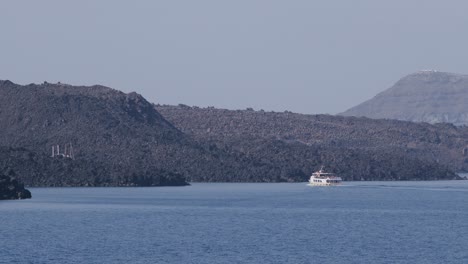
[
  {"x": 122, "y": 140},
  {"x": 118, "y": 139},
  {"x": 11, "y": 189},
  {"x": 426, "y": 96},
  {"x": 358, "y": 148},
  {"x": 42, "y": 170}
]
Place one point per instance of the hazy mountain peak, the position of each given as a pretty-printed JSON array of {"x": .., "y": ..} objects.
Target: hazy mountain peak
[
  {"x": 432, "y": 76},
  {"x": 424, "y": 96}
]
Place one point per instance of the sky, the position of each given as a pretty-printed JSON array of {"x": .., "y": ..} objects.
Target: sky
[{"x": 299, "y": 55}]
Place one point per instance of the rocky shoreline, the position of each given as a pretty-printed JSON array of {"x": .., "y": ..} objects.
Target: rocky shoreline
[{"x": 11, "y": 189}]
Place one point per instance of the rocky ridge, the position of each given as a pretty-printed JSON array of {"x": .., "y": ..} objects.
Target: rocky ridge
[{"x": 362, "y": 148}]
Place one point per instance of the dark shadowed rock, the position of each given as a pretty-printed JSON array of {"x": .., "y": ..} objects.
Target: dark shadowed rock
[
  {"x": 11, "y": 189},
  {"x": 41, "y": 170},
  {"x": 426, "y": 96}
]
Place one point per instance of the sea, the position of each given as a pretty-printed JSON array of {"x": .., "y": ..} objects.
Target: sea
[{"x": 357, "y": 222}]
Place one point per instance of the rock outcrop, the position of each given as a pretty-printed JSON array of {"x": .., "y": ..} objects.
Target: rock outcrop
[
  {"x": 426, "y": 96},
  {"x": 11, "y": 189}
]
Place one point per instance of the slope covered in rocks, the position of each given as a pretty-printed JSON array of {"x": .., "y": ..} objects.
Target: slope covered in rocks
[
  {"x": 112, "y": 133},
  {"x": 41, "y": 170},
  {"x": 118, "y": 140},
  {"x": 364, "y": 148},
  {"x": 122, "y": 140}
]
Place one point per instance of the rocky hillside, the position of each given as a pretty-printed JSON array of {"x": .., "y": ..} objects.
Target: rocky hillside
[
  {"x": 426, "y": 96},
  {"x": 35, "y": 169},
  {"x": 118, "y": 140},
  {"x": 11, "y": 189},
  {"x": 113, "y": 134},
  {"x": 361, "y": 145},
  {"x": 122, "y": 140}
]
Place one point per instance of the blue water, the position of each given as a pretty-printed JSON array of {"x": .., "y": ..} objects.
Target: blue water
[{"x": 359, "y": 222}]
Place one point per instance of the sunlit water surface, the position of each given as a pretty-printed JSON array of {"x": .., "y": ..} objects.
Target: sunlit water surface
[{"x": 358, "y": 222}]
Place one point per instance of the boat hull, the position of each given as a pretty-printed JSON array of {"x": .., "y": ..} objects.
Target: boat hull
[
  {"x": 323, "y": 184},
  {"x": 329, "y": 181}
]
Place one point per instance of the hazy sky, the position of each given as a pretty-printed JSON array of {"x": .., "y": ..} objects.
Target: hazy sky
[{"x": 305, "y": 56}]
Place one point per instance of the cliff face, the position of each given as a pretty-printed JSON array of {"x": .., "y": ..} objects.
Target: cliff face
[
  {"x": 426, "y": 96},
  {"x": 11, "y": 189},
  {"x": 359, "y": 148}
]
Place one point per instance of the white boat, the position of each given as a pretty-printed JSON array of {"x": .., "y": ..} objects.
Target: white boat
[{"x": 321, "y": 178}]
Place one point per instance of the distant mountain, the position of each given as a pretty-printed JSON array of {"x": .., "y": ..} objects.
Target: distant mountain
[
  {"x": 357, "y": 148},
  {"x": 426, "y": 96}
]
